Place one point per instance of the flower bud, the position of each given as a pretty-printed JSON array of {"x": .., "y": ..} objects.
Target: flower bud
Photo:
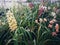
[
  {"x": 53, "y": 14},
  {"x": 36, "y": 21},
  {"x": 41, "y": 20},
  {"x": 45, "y": 19}
]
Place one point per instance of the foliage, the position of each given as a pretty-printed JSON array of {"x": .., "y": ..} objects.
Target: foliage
[{"x": 28, "y": 31}]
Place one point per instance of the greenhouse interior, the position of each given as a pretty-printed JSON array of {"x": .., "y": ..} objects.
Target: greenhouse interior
[{"x": 29, "y": 22}]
